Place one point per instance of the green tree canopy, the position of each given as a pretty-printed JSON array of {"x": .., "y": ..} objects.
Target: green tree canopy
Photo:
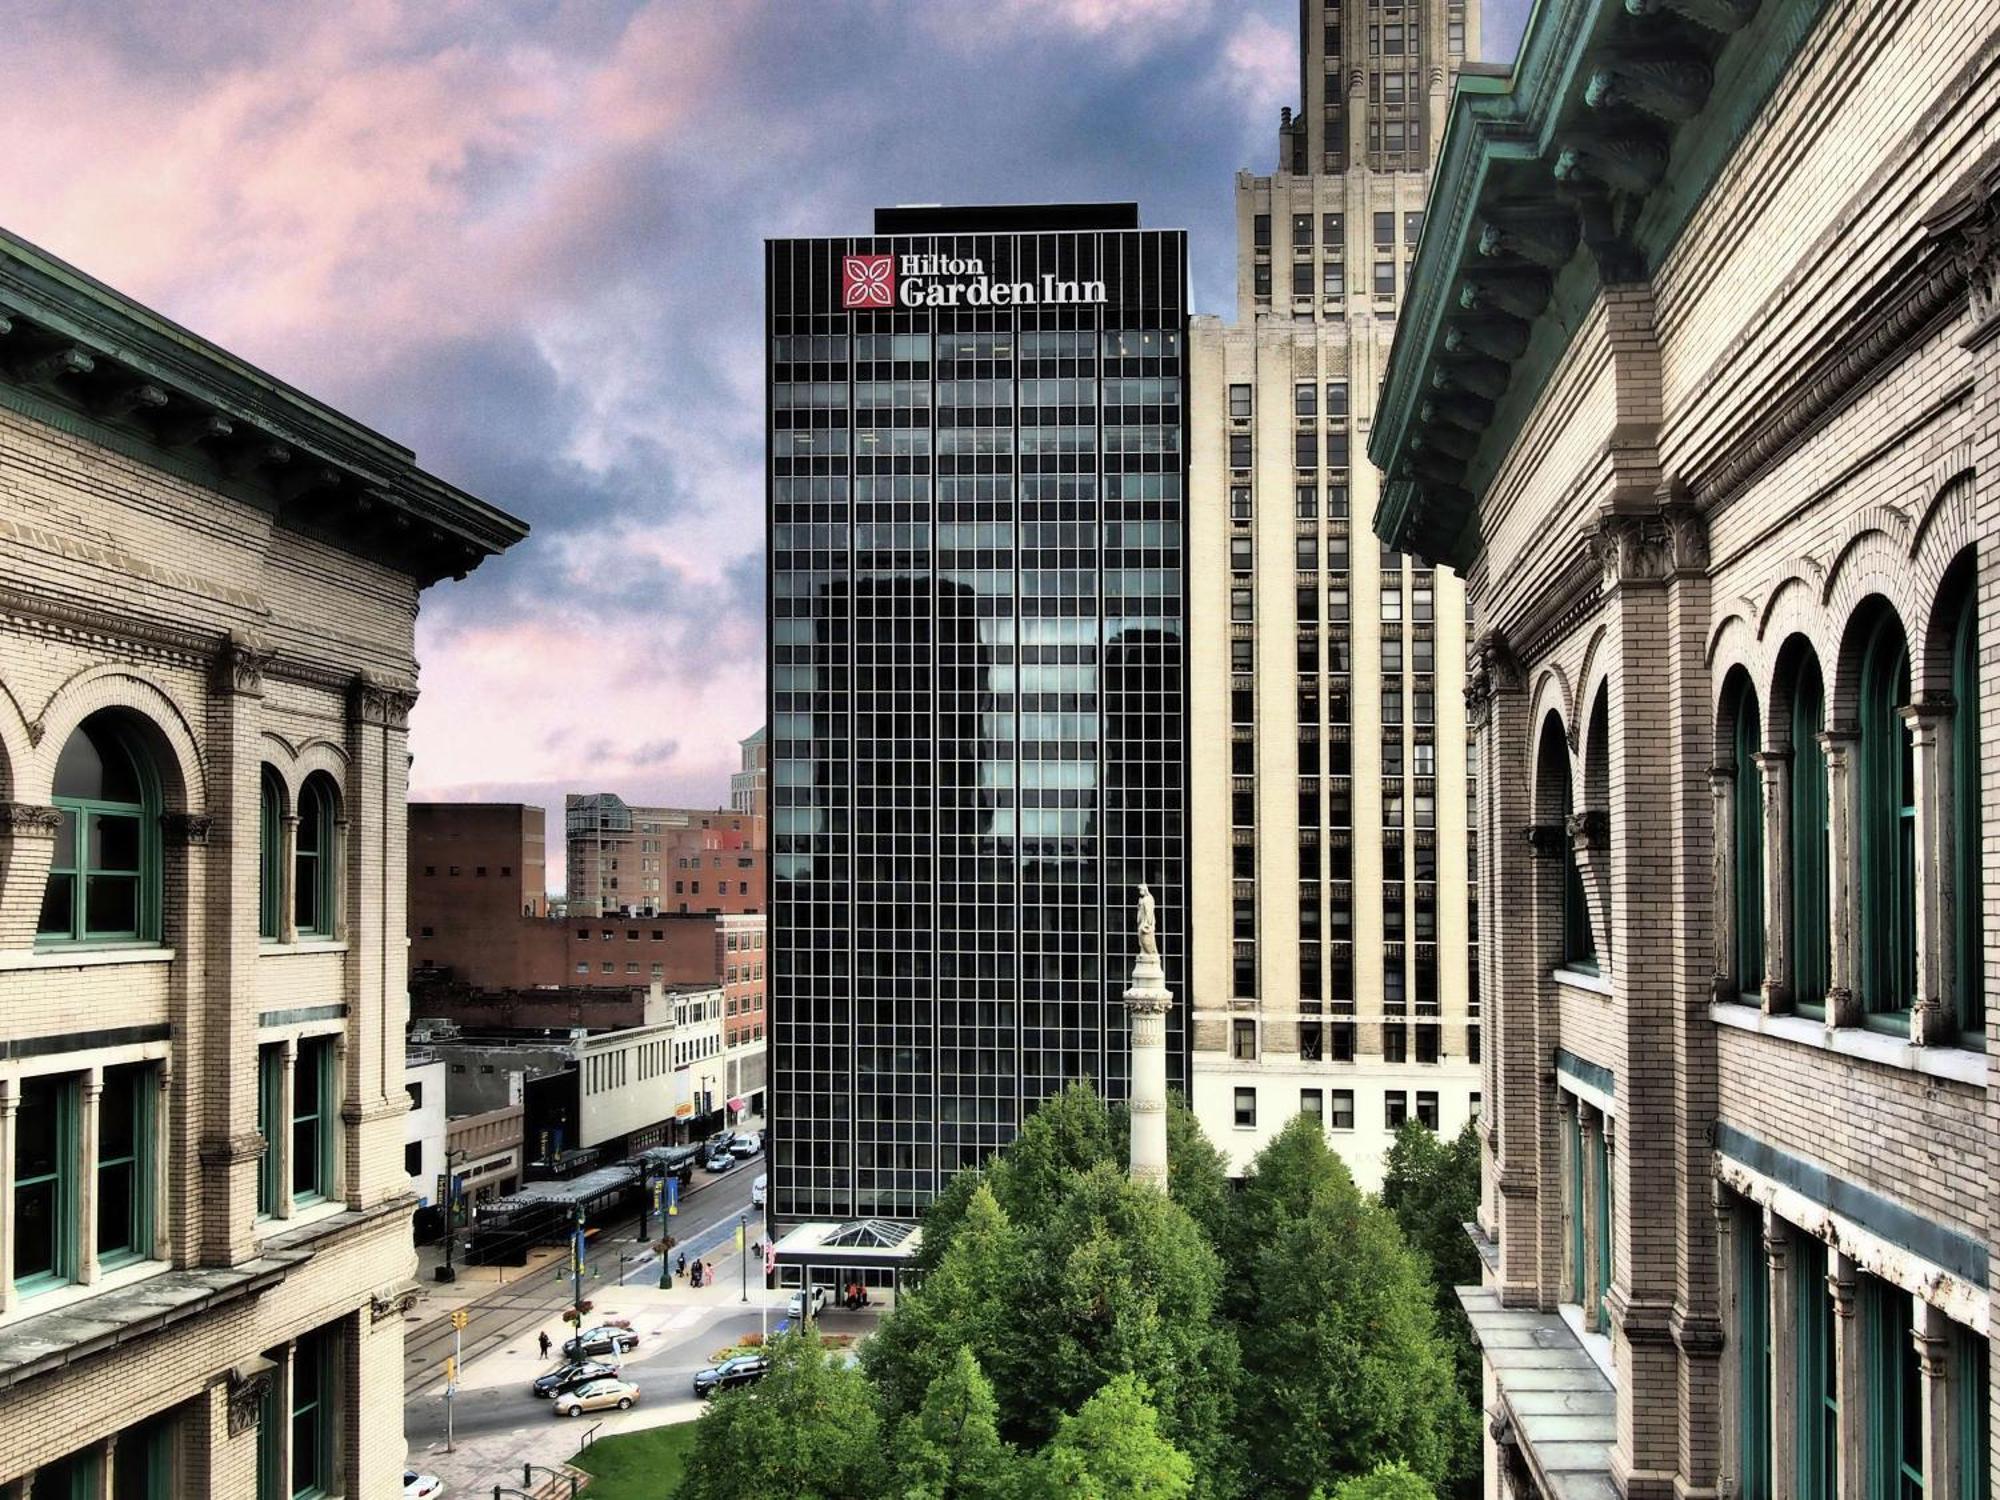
[
  {"x": 1112, "y": 1449},
  {"x": 1432, "y": 1188},
  {"x": 1388, "y": 1482},
  {"x": 808, "y": 1429},
  {"x": 950, "y": 1448}
]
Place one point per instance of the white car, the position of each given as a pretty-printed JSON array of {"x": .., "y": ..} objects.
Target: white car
[
  {"x": 795, "y": 1309},
  {"x": 757, "y": 1190},
  {"x": 421, "y": 1486}
]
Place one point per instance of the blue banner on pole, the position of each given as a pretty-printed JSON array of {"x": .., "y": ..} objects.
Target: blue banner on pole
[{"x": 673, "y": 1195}]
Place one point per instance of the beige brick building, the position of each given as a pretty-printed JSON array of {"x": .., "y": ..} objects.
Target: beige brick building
[
  {"x": 1700, "y": 392},
  {"x": 208, "y": 588},
  {"x": 1333, "y": 963}
]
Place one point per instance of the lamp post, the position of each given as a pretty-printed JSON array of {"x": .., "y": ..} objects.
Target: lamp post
[{"x": 743, "y": 1250}]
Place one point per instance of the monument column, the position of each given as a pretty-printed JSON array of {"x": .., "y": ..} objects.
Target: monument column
[{"x": 1149, "y": 1000}]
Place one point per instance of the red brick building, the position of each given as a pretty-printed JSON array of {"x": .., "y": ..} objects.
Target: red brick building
[{"x": 677, "y": 859}]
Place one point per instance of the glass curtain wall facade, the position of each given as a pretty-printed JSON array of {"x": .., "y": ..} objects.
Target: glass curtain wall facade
[{"x": 977, "y": 713}]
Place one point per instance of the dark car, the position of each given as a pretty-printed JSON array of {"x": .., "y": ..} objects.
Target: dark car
[
  {"x": 612, "y": 1341},
  {"x": 570, "y": 1376},
  {"x": 741, "y": 1370}
]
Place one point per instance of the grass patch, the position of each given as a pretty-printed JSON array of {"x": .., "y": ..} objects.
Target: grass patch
[{"x": 638, "y": 1465}]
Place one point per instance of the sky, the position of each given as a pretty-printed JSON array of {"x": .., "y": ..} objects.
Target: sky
[{"x": 525, "y": 239}]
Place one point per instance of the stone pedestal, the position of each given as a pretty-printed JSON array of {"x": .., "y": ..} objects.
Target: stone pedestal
[{"x": 1149, "y": 1000}]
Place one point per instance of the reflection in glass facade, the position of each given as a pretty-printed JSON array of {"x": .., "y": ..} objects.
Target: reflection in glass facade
[{"x": 978, "y": 714}]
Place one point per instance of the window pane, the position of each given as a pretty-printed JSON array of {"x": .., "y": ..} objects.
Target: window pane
[
  {"x": 111, "y": 905},
  {"x": 114, "y": 843},
  {"x": 41, "y": 1157},
  {"x": 58, "y": 910}
]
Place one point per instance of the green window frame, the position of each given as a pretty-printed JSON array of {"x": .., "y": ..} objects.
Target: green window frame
[
  {"x": 144, "y": 1469},
  {"x": 1888, "y": 831},
  {"x": 1972, "y": 1386},
  {"x": 1968, "y": 938},
  {"x": 1893, "y": 1440},
  {"x": 104, "y": 874},
  {"x": 125, "y": 1137},
  {"x": 270, "y": 1109},
  {"x": 270, "y": 856},
  {"x": 75, "y": 1476},
  {"x": 1600, "y": 1163},
  {"x": 1748, "y": 865},
  {"x": 1817, "y": 1417},
  {"x": 1579, "y": 942},
  {"x": 1753, "y": 1357},
  {"x": 1578, "y": 1208},
  {"x": 313, "y": 859},
  {"x": 312, "y": 1416},
  {"x": 46, "y": 1151},
  {"x": 1811, "y": 946},
  {"x": 271, "y": 1417},
  {"x": 311, "y": 1161}
]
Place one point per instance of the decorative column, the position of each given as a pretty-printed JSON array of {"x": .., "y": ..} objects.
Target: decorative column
[
  {"x": 282, "y": 1127},
  {"x": 1932, "y": 1018},
  {"x": 1843, "y": 866},
  {"x": 90, "y": 1095},
  {"x": 10, "y": 1105},
  {"x": 1722, "y": 879},
  {"x": 161, "y": 1185},
  {"x": 1784, "y": 1357},
  {"x": 288, "y": 869},
  {"x": 1590, "y": 845},
  {"x": 1729, "y": 1386},
  {"x": 1930, "y": 1331},
  {"x": 27, "y": 847},
  {"x": 1148, "y": 999},
  {"x": 1775, "y": 766},
  {"x": 1842, "y": 1280}
]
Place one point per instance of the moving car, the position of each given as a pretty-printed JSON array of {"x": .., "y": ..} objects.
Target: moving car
[
  {"x": 795, "y": 1308},
  {"x": 421, "y": 1486},
  {"x": 570, "y": 1376},
  {"x": 741, "y": 1370},
  {"x": 612, "y": 1341},
  {"x": 747, "y": 1144},
  {"x": 598, "y": 1395},
  {"x": 757, "y": 1190},
  {"x": 718, "y": 1159}
]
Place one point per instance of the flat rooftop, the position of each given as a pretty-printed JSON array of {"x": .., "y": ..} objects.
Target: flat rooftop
[{"x": 1003, "y": 218}]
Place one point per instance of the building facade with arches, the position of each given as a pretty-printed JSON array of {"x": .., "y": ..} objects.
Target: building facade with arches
[
  {"x": 208, "y": 594},
  {"x": 1702, "y": 398}
]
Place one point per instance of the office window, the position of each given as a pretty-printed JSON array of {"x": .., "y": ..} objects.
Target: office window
[
  {"x": 1243, "y": 1040},
  {"x": 1454, "y": 32},
  {"x": 1305, "y": 502},
  {"x": 1333, "y": 279},
  {"x": 1385, "y": 278},
  {"x": 1260, "y": 231},
  {"x": 1260, "y": 279},
  {"x": 1305, "y": 447},
  {"x": 1240, "y": 554},
  {"x": 1336, "y": 603},
  {"x": 1333, "y": 233},
  {"x": 1427, "y": 1109},
  {"x": 45, "y": 1171},
  {"x": 1302, "y": 231},
  {"x": 1427, "y": 1044},
  {"x": 312, "y": 1415},
  {"x": 313, "y": 1113},
  {"x": 1413, "y": 226},
  {"x": 1336, "y": 398},
  {"x": 1385, "y": 231},
  {"x": 1395, "y": 1041},
  {"x": 1887, "y": 824},
  {"x": 1892, "y": 1391},
  {"x": 270, "y": 854},
  {"x": 1342, "y": 1116},
  {"x": 1239, "y": 450},
  {"x": 104, "y": 881},
  {"x": 1239, "y": 502},
  {"x": 1966, "y": 868},
  {"x": 1312, "y": 1104},
  {"x": 1392, "y": 602},
  {"x": 313, "y": 860},
  {"x": 1239, "y": 401},
  {"x": 270, "y": 1107},
  {"x": 1395, "y": 1107},
  {"x": 1305, "y": 399},
  {"x": 1306, "y": 553},
  {"x": 1747, "y": 819},
  {"x": 1246, "y": 1107},
  {"x": 1239, "y": 604},
  {"x": 1302, "y": 278},
  {"x": 125, "y": 1133},
  {"x": 1343, "y": 1033},
  {"x": 1752, "y": 1353}
]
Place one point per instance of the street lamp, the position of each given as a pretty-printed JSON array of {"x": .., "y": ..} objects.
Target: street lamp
[{"x": 451, "y": 1159}]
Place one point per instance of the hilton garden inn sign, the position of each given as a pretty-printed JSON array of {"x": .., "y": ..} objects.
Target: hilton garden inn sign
[{"x": 872, "y": 282}]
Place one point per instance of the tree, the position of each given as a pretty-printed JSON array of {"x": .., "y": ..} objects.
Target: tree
[
  {"x": 1112, "y": 1449},
  {"x": 1337, "y": 1316},
  {"x": 950, "y": 1448},
  {"x": 1387, "y": 1482},
  {"x": 808, "y": 1429},
  {"x": 1197, "y": 1175}
]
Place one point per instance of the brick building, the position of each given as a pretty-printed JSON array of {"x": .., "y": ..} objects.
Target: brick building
[
  {"x": 210, "y": 584},
  {"x": 1699, "y": 389},
  {"x": 661, "y": 859}
]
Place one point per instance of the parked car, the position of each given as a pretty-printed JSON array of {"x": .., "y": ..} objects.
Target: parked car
[
  {"x": 741, "y": 1370},
  {"x": 421, "y": 1486},
  {"x": 612, "y": 1341},
  {"x": 795, "y": 1309},
  {"x": 570, "y": 1376},
  {"x": 758, "y": 1189},
  {"x": 598, "y": 1395},
  {"x": 718, "y": 1159},
  {"x": 747, "y": 1143}
]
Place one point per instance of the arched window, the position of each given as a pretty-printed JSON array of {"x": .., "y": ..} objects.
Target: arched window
[
  {"x": 1806, "y": 827},
  {"x": 1579, "y": 949},
  {"x": 1967, "y": 939},
  {"x": 1888, "y": 824},
  {"x": 271, "y": 856},
  {"x": 104, "y": 883},
  {"x": 313, "y": 860},
  {"x": 1747, "y": 857}
]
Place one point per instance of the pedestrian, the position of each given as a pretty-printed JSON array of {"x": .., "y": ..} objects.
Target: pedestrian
[
  {"x": 681, "y": 1265},
  {"x": 694, "y": 1276},
  {"x": 544, "y": 1341},
  {"x": 707, "y": 1271}
]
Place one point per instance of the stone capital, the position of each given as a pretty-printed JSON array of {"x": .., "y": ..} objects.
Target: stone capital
[
  {"x": 375, "y": 701},
  {"x": 29, "y": 820},
  {"x": 240, "y": 665},
  {"x": 179, "y": 830},
  {"x": 1589, "y": 830},
  {"x": 1546, "y": 840},
  {"x": 231, "y": 1150}
]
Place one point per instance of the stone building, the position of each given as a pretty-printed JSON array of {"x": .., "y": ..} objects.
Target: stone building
[
  {"x": 1700, "y": 391},
  {"x": 1334, "y": 968},
  {"x": 208, "y": 591},
  {"x": 660, "y": 859}
]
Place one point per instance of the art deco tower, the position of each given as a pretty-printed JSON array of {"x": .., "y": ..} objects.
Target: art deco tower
[{"x": 1335, "y": 917}]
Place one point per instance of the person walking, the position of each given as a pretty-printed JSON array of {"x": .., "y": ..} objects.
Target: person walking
[
  {"x": 544, "y": 1342},
  {"x": 681, "y": 1265}
]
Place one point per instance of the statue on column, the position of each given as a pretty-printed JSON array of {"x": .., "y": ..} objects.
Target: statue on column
[{"x": 1148, "y": 945}]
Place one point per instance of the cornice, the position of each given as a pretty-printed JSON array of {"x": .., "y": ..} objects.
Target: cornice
[
  {"x": 80, "y": 356},
  {"x": 1564, "y": 177}
]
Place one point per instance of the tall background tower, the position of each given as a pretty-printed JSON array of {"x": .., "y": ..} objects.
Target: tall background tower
[{"x": 1335, "y": 917}]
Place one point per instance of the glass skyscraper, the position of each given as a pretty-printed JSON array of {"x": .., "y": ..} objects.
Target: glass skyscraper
[{"x": 978, "y": 700}]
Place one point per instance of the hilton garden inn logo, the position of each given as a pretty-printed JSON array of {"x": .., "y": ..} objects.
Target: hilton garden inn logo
[{"x": 870, "y": 282}]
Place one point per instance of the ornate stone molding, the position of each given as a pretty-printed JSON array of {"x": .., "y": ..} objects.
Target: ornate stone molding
[
  {"x": 375, "y": 701},
  {"x": 1491, "y": 669},
  {"x": 1970, "y": 222},
  {"x": 1589, "y": 830},
  {"x": 246, "y": 1399},
  {"x": 28, "y": 820},
  {"x": 391, "y": 1304},
  {"x": 239, "y": 666},
  {"x": 231, "y": 1150},
  {"x": 1546, "y": 840},
  {"x": 1650, "y": 547},
  {"x": 182, "y": 829}
]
